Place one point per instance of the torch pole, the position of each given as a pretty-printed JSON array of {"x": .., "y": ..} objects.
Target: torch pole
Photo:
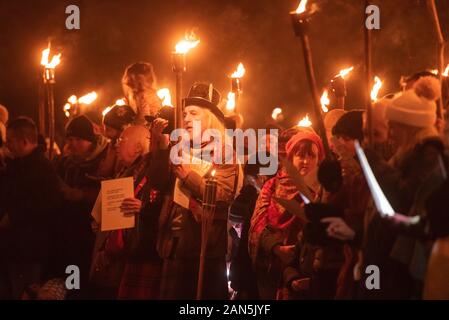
[
  {"x": 299, "y": 26},
  {"x": 179, "y": 67},
  {"x": 368, "y": 76},
  {"x": 49, "y": 81},
  {"x": 440, "y": 52},
  {"x": 236, "y": 88},
  {"x": 41, "y": 110}
]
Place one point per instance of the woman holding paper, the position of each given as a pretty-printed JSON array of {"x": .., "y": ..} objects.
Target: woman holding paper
[
  {"x": 180, "y": 237},
  {"x": 274, "y": 230}
]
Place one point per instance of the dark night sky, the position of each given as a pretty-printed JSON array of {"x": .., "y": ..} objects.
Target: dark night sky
[{"x": 115, "y": 33}]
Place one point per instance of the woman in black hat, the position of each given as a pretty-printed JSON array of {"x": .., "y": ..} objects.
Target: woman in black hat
[{"x": 180, "y": 234}]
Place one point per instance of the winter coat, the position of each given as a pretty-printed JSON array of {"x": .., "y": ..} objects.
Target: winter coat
[
  {"x": 179, "y": 241},
  {"x": 31, "y": 197}
]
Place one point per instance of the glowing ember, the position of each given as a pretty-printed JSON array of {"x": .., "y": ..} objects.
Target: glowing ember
[
  {"x": 302, "y": 6},
  {"x": 164, "y": 95},
  {"x": 446, "y": 71},
  {"x": 343, "y": 73},
  {"x": 105, "y": 111},
  {"x": 376, "y": 87},
  {"x": 305, "y": 122},
  {"x": 230, "y": 103},
  {"x": 240, "y": 72},
  {"x": 67, "y": 108},
  {"x": 325, "y": 101},
  {"x": 73, "y": 99},
  {"x": 276, "y": 112},
  {"x": 55, "y": 60},
  {"x": 189, "y": 42},
  {"x": 120, "y": 102},
  {"x": 88, "y": 98}
]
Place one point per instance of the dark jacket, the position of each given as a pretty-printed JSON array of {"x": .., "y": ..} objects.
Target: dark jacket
[{"x": 31, "y": 198}]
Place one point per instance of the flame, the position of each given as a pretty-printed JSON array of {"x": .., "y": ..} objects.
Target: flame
[
  {"x": 230, "y": 104},
  {"x": 106, "y": 110},
  {"x": 213, "y": 173},
  {"x": 88, "y": 98},
  {"x": 72, "y": 99},
  {"x": 164, "y": 95},
  {"x": 189, "y": 42},
  {"x": 325, "y": 101},
  {"x": 55, "y": 60},
  {"x": 376, "y": 87},
  {"x": 302, "y": 6},
  {"x": 66, "y": 109},
  {"x": 434, "y": 71},
  {"x": 240, "y": 72},
  {"x": 305, "y": 122},
  {"x": 343, "y": 73},
  {"x": 446, "y": 71},
  {"x": 120, "y": 102},
  {"x": 276, "y": 112}
]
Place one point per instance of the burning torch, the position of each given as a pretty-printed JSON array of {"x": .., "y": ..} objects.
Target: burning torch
[
  {"x": 301, "y": 20},
  {"x": 338, "y": 86},
  {"x": 236, "y": 85},
  {"x": 179, "y": 67},
  {"x": 49, "y": 81}
]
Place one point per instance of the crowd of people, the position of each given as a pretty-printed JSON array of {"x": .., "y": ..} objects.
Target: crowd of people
[{"x": 258, "y": 247}]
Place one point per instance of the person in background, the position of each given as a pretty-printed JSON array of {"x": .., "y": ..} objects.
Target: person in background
[
  {"x": 114, "y": 122},
  {"x": 30, "y": 200},
  {"x": 78, "y": 172},
  {"x": 242, "y": 276},
  {"x": 139, "y": 87}
]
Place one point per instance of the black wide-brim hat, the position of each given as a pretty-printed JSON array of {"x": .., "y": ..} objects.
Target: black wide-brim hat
[{"x": 205, "y": 96}]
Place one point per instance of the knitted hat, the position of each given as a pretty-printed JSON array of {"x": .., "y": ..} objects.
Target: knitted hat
[
  {"x": 331, "y": 118},
  {"x": 294, "y": 142},
  {"x": 205, "y": 96},
  {"x": 350, "y": 125},
  {"x": 119, "y": 116},
  {"x": 416, "y": 107},
  {"x": 81, "y": 127}
]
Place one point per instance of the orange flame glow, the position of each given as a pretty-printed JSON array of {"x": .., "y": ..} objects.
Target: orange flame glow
[
  {"x": 88, "y": 98},
  {"x": 72, "y": 99},
  {"x": 446, "y": 71},
  {"x": 240, "y": 72},
  {"x": 164, "y": 95},
  {"x": 106, "y": 110},
  {"x": 376, "y": 87},
  {"x": 189, "y": 42},
  {"x": 325, "y": 101},
  {"x": 55, "y": 60},
  {"x": 120, "y": 102},
  {"x": 230, "y": 103},
  {"x": 305, "y": 122},
  {"x": 302, "y": 6},
  {"x": 276, "y": 112},
  {"x": 343, "y": 73}
]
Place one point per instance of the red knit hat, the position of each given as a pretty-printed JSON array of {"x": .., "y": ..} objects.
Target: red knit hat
[{"x": 301, "y": 136}]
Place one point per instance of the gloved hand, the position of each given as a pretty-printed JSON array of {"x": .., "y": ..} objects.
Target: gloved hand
[{"x": 330, "y": 175}]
